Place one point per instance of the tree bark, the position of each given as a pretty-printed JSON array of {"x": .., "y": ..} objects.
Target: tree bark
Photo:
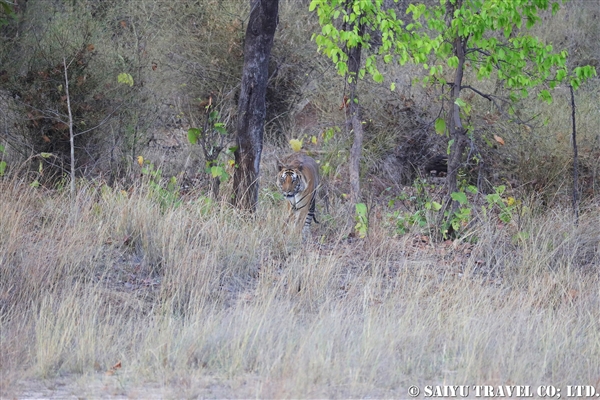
[
  {"x": 251, "y": 107},
  {"x": 354, "y": 55}
]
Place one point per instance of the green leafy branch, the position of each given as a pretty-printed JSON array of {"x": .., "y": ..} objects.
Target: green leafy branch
[{"x": 212, "y": 137}]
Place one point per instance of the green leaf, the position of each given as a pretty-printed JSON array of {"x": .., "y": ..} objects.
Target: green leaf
[
  {"x": 125, "y": 78},
  {"x": 220, "y": 128},
  {"x": 361, "y": 209},
  {"x": 193, "y": 135},
  {"x": 361, "y": 226},
  {"x": 453, "y": 62},
  {"x": 378, "y": 77},
  {"x": 460, "y": 102},
  {"x": 546, "y": 96},
  {"x": 217, "y": 171},
  {"x": 461, "y": 197},
  {"x": 440, "y": 126},
  {"x": 2, "y": 168},
  {"x": 472, "y": 189}
]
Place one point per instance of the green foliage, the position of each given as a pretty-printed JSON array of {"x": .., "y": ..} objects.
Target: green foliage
[
  {"x": 506, "y": 205},
  {"x": 520, "y": 61},
  {"x": 358, "y": 18},
  {"x": 3, "y": 164},
  {"x": 329, "y": 133},
  {"x": 362, "y": 220},
  {"x": 453, "y": 37},
  {"x": 212, "y": 137},
  {"x": 193, "y": 135},
  {"x": 167, "y": 195},
  {"x": 460, "y": 218},
  {"x": 440, "y": 126},
  {"x": 424, "y": 211},
  {"x": 125, "y": 79},
  {"x": 6, "y": 12}
]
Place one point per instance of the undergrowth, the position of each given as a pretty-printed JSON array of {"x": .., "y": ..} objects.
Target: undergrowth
[{"x": 130, "y": 293}]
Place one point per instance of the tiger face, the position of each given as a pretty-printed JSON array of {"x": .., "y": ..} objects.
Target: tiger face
[
  {"x": 290, "y": 183},
  {"x": 298, "y": 180}
]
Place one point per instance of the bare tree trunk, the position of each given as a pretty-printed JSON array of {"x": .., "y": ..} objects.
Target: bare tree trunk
[
  {"x": 575, "y": 161},
  {"x": 354, "y": 55},
  {"x": 71, "y": 135},
  {"x": 251, "y": 106}
]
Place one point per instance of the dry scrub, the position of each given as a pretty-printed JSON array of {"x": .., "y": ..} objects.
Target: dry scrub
[{"x": 198, "y": 301}]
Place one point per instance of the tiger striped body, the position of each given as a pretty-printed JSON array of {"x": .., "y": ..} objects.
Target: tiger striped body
[{"x": 298, "y": 181}]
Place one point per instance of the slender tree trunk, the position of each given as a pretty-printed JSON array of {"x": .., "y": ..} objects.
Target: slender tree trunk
[
  {"x": 575, "y": 161},
  {"x": 251, "y": 107},
  {"x": 354, "y": 55},
  {"x": 71, "y": 135},
  {"x": 457, "y": 132}
]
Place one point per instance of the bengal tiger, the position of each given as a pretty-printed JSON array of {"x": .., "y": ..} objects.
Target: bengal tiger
[{"x": 298, "y": 180}]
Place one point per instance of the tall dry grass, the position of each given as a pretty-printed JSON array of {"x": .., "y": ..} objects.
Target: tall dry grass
[{"x": 198, "y": 301}]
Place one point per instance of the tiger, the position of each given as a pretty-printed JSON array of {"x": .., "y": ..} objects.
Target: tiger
[{"x": 298, "y": 181}]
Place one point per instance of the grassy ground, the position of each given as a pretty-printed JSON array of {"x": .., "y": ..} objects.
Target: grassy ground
[{"x": 113, "y": 295}]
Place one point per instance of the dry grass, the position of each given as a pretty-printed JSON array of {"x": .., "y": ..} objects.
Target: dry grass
[{"x": 199, "y": 302}]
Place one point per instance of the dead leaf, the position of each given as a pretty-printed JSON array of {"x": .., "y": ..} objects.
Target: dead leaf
[
  {"x": 345, "y": 102},
  {"x": 60, "y": 126},
  {"x": 499, "y": 139}
]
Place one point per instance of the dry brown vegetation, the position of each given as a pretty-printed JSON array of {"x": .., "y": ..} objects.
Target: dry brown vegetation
[
  {"x": 197, "y": 301},
  {"x": 130, "y": 291}
]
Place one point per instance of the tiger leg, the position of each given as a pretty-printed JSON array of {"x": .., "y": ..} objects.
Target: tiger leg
[{"x": 311, "y": 211}]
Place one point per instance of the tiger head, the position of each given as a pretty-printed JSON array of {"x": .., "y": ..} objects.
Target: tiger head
[{"x": 289, "y": 181}]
